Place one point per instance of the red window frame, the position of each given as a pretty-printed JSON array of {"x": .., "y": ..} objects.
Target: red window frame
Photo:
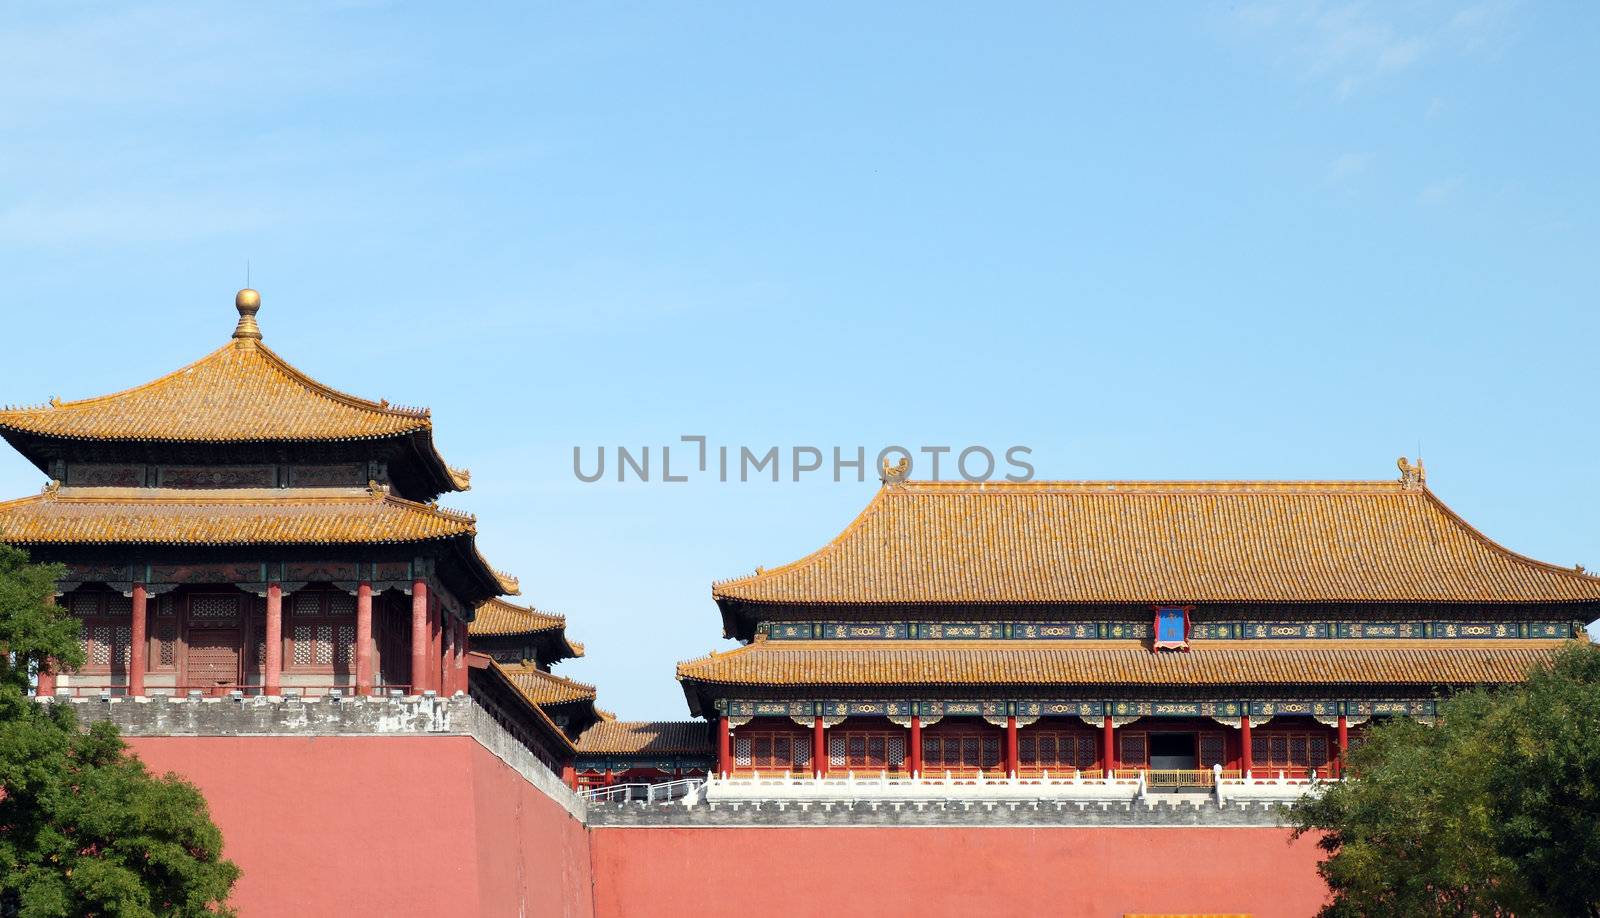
[
  {"x": 103, "y": 616},
  {"x": 1057, "y": 750},
  {"x": 771, "y": 751},
  {"x": 961, "y": 752},
  {"x": 329, "y": 615},
  {"x": 1293, "y": 752},
  {"x": 867, "y": 751}
]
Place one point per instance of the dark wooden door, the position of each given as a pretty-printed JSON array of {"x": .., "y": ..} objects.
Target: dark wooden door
[{"x": 214, "y": 658}]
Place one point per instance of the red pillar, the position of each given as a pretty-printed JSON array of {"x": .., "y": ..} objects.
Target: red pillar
[
  {"x": 1244, "y": 745},
  {"x": 724, "y": 748},
  {"x": 364, "y": 638},
  {"x": 1108, "y": 751},
  {"x": 273, "y": 676},
  {"x": 47, "y": 673},
  {"x": 1344, "y": 746},
  {"x": 419, "y": 636},
  {"x": 139, "y": 641},
  {"x": 569, "y": 776},
  {"x": 436, "y": 651},
  {"x": 461, "y": 655},
  {"x": 916, "y": 746},
  {"x": 1011, "y": 746},
  {"x": 819, "y": 749}
]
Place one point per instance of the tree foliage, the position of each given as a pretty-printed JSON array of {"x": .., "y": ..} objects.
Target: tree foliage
[
  {"x": 84, "y": 828},
  {"x": 1494, "y": 811}
]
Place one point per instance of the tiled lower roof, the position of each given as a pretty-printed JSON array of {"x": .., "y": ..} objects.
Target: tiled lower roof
[
  {"x": 233, "y": 516},
  {"x": 1126, "y": 663},
  {"x": 542, "y": 688},
  {"x": 498, "y": 618},
  {"x": 671, "y": 737}
]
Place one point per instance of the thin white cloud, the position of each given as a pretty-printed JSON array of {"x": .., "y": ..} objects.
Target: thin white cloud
[
  {"x": 1354, "y": 47},
  {"x": 1440, "y": 192},
  {"x": 1346, "y": 166}
]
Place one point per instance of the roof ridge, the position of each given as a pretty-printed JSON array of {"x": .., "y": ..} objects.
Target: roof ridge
[
  {"x": 1478, "y": 534},
  {"x": 1183, "y": 484},
  {"x": 326, "y": 391}
]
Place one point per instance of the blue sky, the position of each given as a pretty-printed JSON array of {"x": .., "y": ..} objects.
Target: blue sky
[{"x": 1188, "y": 241}]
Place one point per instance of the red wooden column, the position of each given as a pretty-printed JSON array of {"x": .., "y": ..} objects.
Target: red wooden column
[
  {"x": 47, "y": 673},
  {"x": 1344, "y": 746},
  {"x": 460, "y": 660},
  {"x": 916, "y": 746},
  {"x": 364, "y": 638},
  {"x": 1108, "y": 751},
  {"x": 272, "y": 677},
  {"x": 139, "y": 641},
  {"x": 569, "y": 776},
  {"x": 1011, "y": 746},
  {"x": 1244, "y": 745},
  {"x": 446, "y": 650},
  {"x": 819, "y": 749},
  {"x": 419, "y": 636},
  {"x": 724, "y": 747}
]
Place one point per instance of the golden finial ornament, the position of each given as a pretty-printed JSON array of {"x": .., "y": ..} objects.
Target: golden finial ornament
[{"x": 247, "y": 332}]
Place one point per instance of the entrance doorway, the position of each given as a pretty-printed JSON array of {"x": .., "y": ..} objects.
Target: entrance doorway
[{"x": 1173, "y": 752}]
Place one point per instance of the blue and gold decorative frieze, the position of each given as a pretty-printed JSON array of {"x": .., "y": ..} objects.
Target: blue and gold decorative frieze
[
  {"x": 1175, "y": 709},
  {"x": 1140, "y": 630}
]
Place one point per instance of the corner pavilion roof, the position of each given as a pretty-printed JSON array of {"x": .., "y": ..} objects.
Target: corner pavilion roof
[
  {"x": 544, "y": 689},
  {"x": 1121, "y": 663},
  {"x": 1159, "y": 541},
  {"x": 241, "y": 392},
  {"x": 498, "y": 618}
]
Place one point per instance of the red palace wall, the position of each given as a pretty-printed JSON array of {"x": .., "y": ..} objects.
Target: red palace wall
[
  {"x": 937, "y": 872},
  {"x": 419, "y": 825},
  {"x": 382, "y": 826}
]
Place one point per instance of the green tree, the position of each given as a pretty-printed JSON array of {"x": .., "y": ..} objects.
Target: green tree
[
  {"x": 1494, "y": 811},
  {"x": 84, "y": 828}
]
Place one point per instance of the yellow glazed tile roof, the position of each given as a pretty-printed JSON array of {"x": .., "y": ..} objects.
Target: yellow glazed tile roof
[
  {"x": 242, "y": 516},
  {"x": 1122, "y": 663},
  {"x": 1114, "y": 542},
  {"x": 234, "y": 394},
  {"x": 542, "y": 688},
  {"x": 674, "y": 737},
  {"x": 498, "y": 616}
]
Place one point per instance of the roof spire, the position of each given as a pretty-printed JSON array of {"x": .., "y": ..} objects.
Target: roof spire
[{"x": 247, "y": 332}]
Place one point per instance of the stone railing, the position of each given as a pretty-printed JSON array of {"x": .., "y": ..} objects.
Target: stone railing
[
  {"x": 1125, "y": 787},
  {"x": 851, "y": 787}
]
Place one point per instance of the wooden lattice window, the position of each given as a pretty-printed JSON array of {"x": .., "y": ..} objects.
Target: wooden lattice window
[
  {"x": 164, "y": 635},
  {"x": 1289, "y": 751},
  {"x": 107, "y": 637},
  {"x": 1213, "y": 749},
  {"x": 320, "y": 632},
  {"x": 861, "y": 750},
  {"x": 772, "y": 751},
  {"x": 960, "y": 752},
  {"x": 1057, "y": 750},
  {"x": 1133, "y": 751}
]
